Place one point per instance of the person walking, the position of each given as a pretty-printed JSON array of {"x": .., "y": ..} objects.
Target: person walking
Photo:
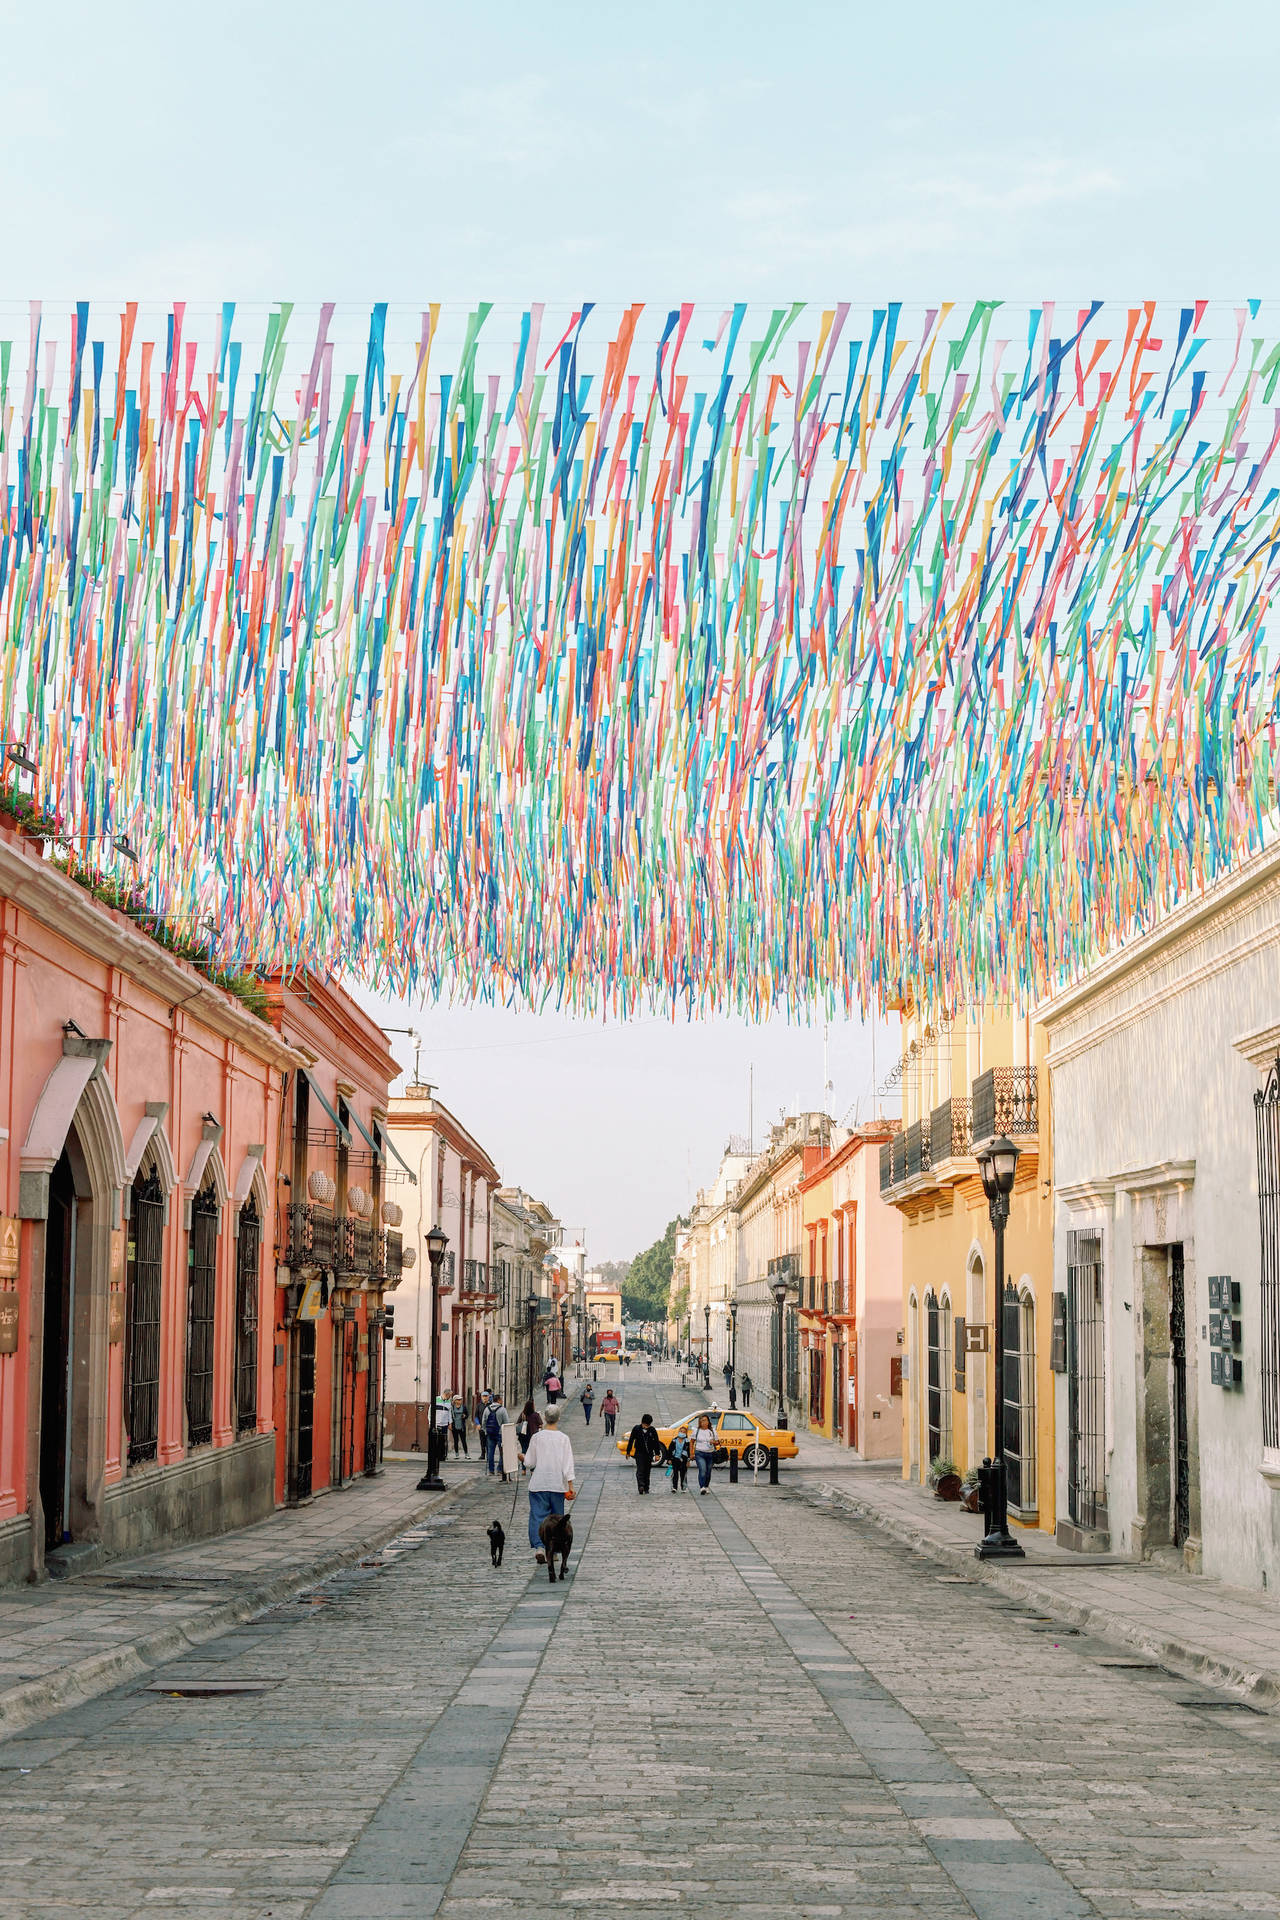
[
  {"x": 495, "y": 1419},
  {"x": 746, "y": 1389},
  {"x": 554, "y": 1389},
  {"x": 528, "y": 1424},
  {"x": 704, "y": 1447},
  {"x": 588, "y": 1402},
  {"x": 678, "y": 1455},
  {"x": 458, "y": 1422},
  {"x": 549, "y": 1459},
  {"x": 644, "y": 1446},
  {"x": 609, "y": 1407},
  {"x": 444, "y": 1421}
]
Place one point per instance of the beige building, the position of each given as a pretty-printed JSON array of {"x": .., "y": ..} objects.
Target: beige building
[{"x": 770, "y": 1210}]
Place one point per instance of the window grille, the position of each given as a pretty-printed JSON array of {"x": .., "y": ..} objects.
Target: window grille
[
  {"x": 202, "y": 1269},
  {"x": 1019, "y": 1399},
  {"x": 941, "y": 1362},
  {"x": 1086, "y": 1493},
  {"x": 792, "y": 1319},
  {"x": 1267, "y": 1109},
  {"x": 142, "y": 1350},
  {"x": 248, "y": 1264}
]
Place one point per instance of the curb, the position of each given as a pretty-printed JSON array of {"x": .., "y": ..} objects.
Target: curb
[
  {"x": 34, "y": 1700},
  {"x": 1189, "y": 1662}
]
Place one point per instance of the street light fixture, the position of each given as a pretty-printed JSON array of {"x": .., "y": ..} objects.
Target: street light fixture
[
  {"x": 779, "y": 1290},
  {"x": 733, "y": 1351},
  {"x": 706, "y": 1348},
  {"x": 997, "y": 1164},
  {"x": 437, "y": 1242},
  {"x": 531, "y": 1308},
  {"x": 564, "y": 1337}
]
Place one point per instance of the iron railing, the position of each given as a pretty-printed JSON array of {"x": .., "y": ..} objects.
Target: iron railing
[
  {"x": 951, "y": 1129},
  {"x": 202, "y": 1269},
  {"x": 886, "y": 1166},
  {"x": 1086, "y": 1456},
  {"x": 918, "y": 1148},
  {"x": 475, "y": 1276},
  {"x": 391, "y": 1262},
  {"x": 1005, "y": 1101},
  {"x": 899, "y": 1157},
  {"x": 786, "y": 1266},
  {"x": 311, "y": 1235},
  {"x": 142, "y": 1346},
  {"x": 248, "y": 1246}
]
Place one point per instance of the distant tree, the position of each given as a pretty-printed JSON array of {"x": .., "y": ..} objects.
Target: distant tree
[
  {"x": 647, "y": 1286},
  {"x": 614, "y": 1272}
]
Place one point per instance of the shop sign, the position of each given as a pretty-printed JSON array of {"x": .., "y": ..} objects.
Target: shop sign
[
  {"x": 404, "y": 1343},
  {"x": 8, "y": 1323},
  {"x": 115, "y": 1318},
  {"x": 311, "y": 1305},
  {"x": 117, "y": 1256},
  {"x": 976, "y": 1336},
  {"x": 10, "y": 1242}
]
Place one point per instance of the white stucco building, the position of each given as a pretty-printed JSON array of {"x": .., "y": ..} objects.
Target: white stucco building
[{"x": 1166, "y": 1176}]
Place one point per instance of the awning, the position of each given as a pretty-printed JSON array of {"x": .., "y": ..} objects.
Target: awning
[
  {"x": 391, "y": 1149},
  {"x": 378, "y": 1153},
  {"x": 343, "y": 1130}
]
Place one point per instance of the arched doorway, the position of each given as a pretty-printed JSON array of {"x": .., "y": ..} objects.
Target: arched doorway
[{"x": 57, "y": 1404}]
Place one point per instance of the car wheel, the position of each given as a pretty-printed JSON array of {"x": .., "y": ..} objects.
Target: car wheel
[{"x": 755, "y": 1456}]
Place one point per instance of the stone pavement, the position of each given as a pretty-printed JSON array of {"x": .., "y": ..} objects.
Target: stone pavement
[
  {"x": 738, "y": 1707},
  {"x": 69, "y": 1640},
  {"x": 1227, "y": 1636}
]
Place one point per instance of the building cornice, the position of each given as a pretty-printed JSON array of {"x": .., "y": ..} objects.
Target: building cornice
[
  {"x": 1260, "y": 1049},
  {"x": 1221, "y": 906},
  {"x": 418, "y": 1116},
  {"x": 74, "y": 915}
]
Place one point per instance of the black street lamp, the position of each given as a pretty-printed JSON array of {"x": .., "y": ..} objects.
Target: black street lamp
[
  {"x": 564, "y": 1338},
  {"x": 706, "y": 1347},
  {"x": 779, "y": 1290},
  {"x": 997, "y": 1163},
  {"x": 531, "y": 1308},
  {"x": 437, "y": 1241},
  {"x": 733, "y": 1351}
]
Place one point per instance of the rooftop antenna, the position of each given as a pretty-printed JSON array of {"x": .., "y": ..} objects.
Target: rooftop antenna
[{"x": 416, "y": 1038}]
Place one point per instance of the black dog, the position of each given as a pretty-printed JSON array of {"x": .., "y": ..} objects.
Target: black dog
[
  {"x": 556, "y": 1535},
  {"x": 497, "y": 1541}
]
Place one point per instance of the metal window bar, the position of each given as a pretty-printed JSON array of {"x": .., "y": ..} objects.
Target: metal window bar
[
  {"x": 938, "y": 1361},
  {"x": 143, "y": 1283},
  {"x": 1086, "y": 1490},
  {"x": 1019, "y": 1409},
  {"x": 202, "y": 1269},
  {"x": 1267, "y": 1112},
  {"x": 918, "y": 1148},
  {"x": 950, "y": 1130},
  {"x": 248, "y": 1271},
  {"x": 792, "y": 1323},
  {"x": 886, "y": 1167}
]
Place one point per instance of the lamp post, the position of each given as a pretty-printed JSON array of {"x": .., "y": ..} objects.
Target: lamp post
[
  {"x": 437, "y": 1241},
  {"x": 779, "y": 1291},
  {"x": 564, "y": 1337},
  {"x": 531, "y": 1308},
  {"x": 997, "y": 1163},
  {"x": 733, "y": 1351},
  {"x": 706, "y": 1347}
]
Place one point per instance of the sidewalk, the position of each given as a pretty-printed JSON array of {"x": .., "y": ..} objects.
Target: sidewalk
[
  {"x": 1225, "y": 1636},
  {"x": 65, "y": 1641}
]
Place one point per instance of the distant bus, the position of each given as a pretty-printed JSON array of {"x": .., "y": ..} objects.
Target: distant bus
[{"x": 608, "y": 1344}]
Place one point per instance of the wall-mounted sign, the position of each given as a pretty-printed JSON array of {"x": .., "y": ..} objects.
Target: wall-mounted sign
[
  {"x": 10, "y": 1245},
  {"x": 311, "y": 1305},
  {"x": 853, "y": 1391},
  {"x": 896, "y": 1370},
  {"x": 404, "y": 1343},
  {"x": 977, "y": 1335},
  {"x": 117, "y": 1256},
  {"x": 115, "y": 1318},
  {"x": 8, "y": 1323}
]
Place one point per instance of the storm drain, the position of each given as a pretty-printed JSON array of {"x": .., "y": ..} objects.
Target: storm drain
[
  {"x": 1131, "y": 1666},
  {"x": 209, "y": 1689},
  {"x": 1220, "y": 1706}
]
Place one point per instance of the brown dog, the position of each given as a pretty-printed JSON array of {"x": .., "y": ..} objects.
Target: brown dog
[{"x": 556, "y": 1535}]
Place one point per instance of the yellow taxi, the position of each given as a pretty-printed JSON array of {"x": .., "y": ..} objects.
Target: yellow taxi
[{"x": 739, "y": 1430}]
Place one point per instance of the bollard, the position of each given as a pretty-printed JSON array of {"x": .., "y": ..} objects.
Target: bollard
[
  {"x": 733, "y": 1466},
  {"x": 773, "y": 1466}
]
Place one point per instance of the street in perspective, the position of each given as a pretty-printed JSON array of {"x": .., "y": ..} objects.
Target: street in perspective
[{"x": 639, "y": 961}]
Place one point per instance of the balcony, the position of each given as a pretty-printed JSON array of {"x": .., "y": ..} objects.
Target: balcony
[
  {"x": 886, "y": 1166},
  {"x": 785, "y": 1267},
  {"x": 917, "y": 1143},
  {"x": 898, "y": 1150},
  {"x": 951, "y": 1130},
  {"x": 390, "y": 1257},
  {"x": 354, "y": 1247},
  {"x": 311, "y": 1236},
  {"x": 1005, "y": 1100}
]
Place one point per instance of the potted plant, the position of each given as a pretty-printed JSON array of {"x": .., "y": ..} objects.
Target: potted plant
[
  {"x": 969, "y": 1492},
  {"x": 943, "y": 1478}
]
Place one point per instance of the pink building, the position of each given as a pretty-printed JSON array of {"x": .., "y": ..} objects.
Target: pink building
[{"x": 140, "y": 1106}]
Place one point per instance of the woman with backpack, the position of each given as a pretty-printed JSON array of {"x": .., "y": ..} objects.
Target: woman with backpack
[{"x": 495, "y": 1419}]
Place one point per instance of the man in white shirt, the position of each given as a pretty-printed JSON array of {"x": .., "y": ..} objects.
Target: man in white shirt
[{"x": 549, "y": 1458}]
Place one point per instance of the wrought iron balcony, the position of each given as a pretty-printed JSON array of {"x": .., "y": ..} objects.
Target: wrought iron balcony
[
  {"x": 354, "y": 1245},
  {"x": 475, "y": 1277},
  {"x": 311, "y": 1235},
  {"x": 899, "y": 1151},
  {"x": 886, "y": 1166},
  {"x": 1005, "y": 1101},
  {"x": 785, "y": 1267},
  {"x": 951, "y": 1130},
  {"x": 389, "y": 1250},
  {"x": 918, "y": 1148}
]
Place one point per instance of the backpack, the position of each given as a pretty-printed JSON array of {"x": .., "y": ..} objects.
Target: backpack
[{"x": 492, "y": 1425}]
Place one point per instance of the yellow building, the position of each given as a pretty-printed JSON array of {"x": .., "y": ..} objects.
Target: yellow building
[{"x": 975, "y": 1076}]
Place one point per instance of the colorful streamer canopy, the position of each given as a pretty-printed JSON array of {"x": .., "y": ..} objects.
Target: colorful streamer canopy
[{"x": 736, "y": 658}]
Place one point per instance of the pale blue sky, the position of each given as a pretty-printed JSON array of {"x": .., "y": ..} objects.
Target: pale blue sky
[{"x": 700, "y": 150}]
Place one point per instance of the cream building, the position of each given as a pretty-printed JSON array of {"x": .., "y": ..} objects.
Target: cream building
[{"x": 1166, "y": 1154}]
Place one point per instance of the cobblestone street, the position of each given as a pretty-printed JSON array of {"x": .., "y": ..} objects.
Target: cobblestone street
[{"x": 744, "y": 1705}]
